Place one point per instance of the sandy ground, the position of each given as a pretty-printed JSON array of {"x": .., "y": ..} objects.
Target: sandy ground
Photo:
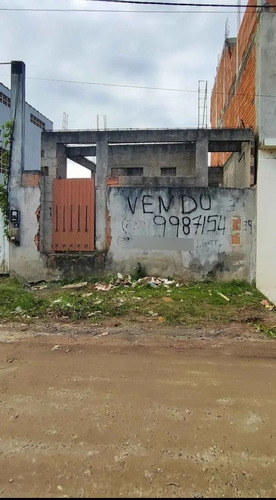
[{"x": 136, "y": 411}]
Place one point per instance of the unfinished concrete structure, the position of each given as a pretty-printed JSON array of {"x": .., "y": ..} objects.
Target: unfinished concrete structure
[{"x": 131, "y": 168}]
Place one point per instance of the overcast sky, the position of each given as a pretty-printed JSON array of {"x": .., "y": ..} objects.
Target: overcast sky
[{"x": 117, "y": 53}]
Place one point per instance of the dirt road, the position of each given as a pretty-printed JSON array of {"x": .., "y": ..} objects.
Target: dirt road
[{"x": 130, "y": 412}]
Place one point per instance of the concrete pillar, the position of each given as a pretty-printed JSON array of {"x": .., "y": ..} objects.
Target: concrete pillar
[
  {"x": 100, "y": 186},
  {"x": 61, "y": 161},
  {"x": 202, "y": 160},
  {"x": 16, "y": 203},
  {"x": 18, "y": 118},
  {"x": 46, "y": 214},
  {"x": 49, "y": 156},
  {"x": 49, "y": 168}
]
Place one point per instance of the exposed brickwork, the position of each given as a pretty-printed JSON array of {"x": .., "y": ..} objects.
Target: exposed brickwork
[
  {"x": 247, "y": 30},
  {"x": 30, "y": 179},
  {"x": 236, "y": 223},
  {"x": 236, "y": 239},
  {"x": 241, "y": 109},
  {"x": 233, "y": 96},
  {"x": 115, "y": 181}
]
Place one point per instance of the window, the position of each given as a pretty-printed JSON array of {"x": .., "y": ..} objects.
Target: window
[
  {"x": 3, "y": 161},
  {"x": 168, "y": 172},
  {"x": 36, "y": 121},
  {"x": 127, "y": 171},
  {"x": 5, "y": 99}
]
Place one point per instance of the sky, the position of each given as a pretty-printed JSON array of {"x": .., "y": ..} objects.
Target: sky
[{"x": 95, "y": 64}]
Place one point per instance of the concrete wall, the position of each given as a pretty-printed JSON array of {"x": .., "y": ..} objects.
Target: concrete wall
[
  {"x": 215, "y": 176},
  {"x": 266, "y": 178},
  {"x": 153, "y": 160},
  {"x": 4, "y": 248},
  {"x": 236, "y": 171},
  {"x": 266, "y": 234},
  {"x": 221, "y": 255},
  {"x": 266, "y": 76},
  {"x": 192, "y": 233},
  {"x": 4, "y": 245},
  {"x": 26, "y": 261}
]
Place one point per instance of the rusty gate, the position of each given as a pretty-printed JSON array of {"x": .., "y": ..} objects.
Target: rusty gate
[{"x": 74, "y": 215}]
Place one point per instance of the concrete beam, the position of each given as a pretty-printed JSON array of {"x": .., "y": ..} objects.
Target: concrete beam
[
  {"x": 148, "y": 135},
  {"x": 84, "y": 162},
  {"x": 80, "y": 151},
  {"x": 214, "y": 146},
  {"x": 224, "y": 146}
]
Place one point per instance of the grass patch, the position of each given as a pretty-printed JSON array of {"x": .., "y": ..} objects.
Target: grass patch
[
  {"x": 171, "y": 301},
  {"x": 17, "y": 300},
  {"x": 196, "y": 303}
]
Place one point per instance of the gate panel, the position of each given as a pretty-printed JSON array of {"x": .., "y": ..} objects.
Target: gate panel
[{"x": 74, "y": 215}]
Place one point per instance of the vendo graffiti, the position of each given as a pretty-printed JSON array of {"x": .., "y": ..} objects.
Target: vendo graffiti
[{"x": 183, "y": 215}]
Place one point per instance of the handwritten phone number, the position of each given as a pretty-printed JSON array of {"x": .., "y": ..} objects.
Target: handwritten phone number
[{"x": 200, "y": 224}]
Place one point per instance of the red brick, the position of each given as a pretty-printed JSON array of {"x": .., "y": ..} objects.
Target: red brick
[
  {"x": 236, "y": 239},
  {"x": 236, "y": 223},
  {"x": 30, "y": 180}
]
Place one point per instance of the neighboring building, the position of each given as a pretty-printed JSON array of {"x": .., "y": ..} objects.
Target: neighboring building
[
  {"x": 244, "y": 96},
  {"x": 245, "y": 82},
  {"x": 35, "y": 123}
]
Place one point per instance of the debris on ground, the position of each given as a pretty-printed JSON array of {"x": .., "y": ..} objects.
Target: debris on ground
[
  {"x": 267, "y": 304},
  {"x": 151, "y": 281},
  {"x": 223, "y": 296},
  {"x": 81, "y": 284},
  {"x": 55, "y": 347},
  {"x": 103, "y": 287}
]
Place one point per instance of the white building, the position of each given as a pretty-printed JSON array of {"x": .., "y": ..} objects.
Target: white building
[{"x": 35, "y": 122}]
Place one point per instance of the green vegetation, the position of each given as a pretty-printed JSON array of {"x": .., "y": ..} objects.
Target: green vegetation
[
  {"x": 6, "y": 135},
  {"x": 162, "y": 300},
  {"x": 270, "y": 332},
  {"x": 18, "y": 301}
]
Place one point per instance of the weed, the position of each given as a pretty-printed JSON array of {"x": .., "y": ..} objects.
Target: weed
[
  {"x": 269, "y": 332},
  {"x": 17, "y": 300},
  {"x": 140, "y": 272}
]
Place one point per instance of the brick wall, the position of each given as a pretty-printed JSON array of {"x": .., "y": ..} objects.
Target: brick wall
[{"x": 233, "y": 94}]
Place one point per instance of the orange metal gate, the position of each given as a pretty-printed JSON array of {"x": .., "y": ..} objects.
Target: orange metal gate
[{"x": 74, "y": 215}]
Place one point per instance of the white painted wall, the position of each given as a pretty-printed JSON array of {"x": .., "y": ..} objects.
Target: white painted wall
[
  {"x": 266, "y": 225},
  {"x": 25, "y": 260},
  {"x": 186, "y": 232},
  {"x": 32, "y": 131},
  {"x": 4, "y": 249}
]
